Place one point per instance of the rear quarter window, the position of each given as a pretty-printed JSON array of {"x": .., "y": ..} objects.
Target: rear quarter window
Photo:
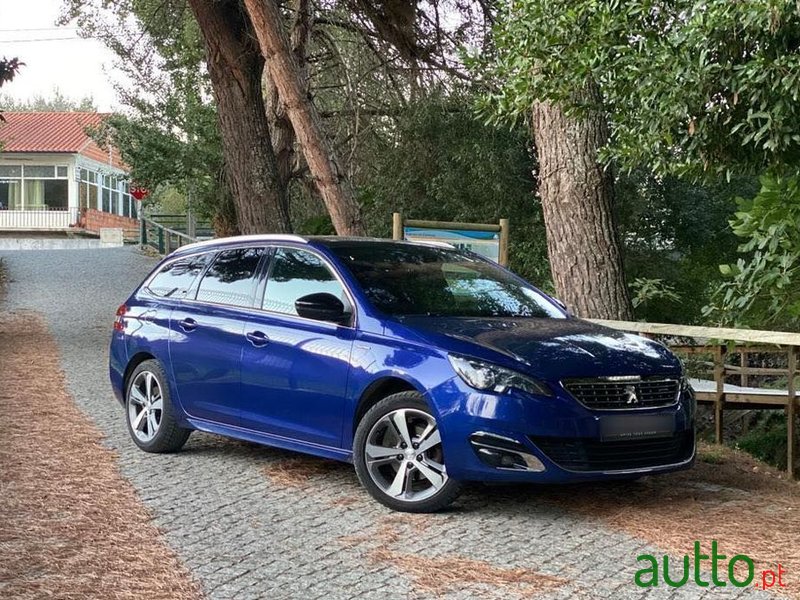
[{"x": 176, "y": 278}]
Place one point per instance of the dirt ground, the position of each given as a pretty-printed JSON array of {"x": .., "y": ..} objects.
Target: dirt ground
[{"x": 70, "y": 525}]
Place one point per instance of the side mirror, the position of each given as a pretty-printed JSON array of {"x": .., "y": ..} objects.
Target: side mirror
[{"x": 321, "y": 306}]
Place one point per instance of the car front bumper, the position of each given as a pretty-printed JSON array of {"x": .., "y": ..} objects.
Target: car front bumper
[{"x": 513, "y": 437}]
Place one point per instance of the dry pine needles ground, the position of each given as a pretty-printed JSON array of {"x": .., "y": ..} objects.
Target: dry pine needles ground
[{"x": 70, "y": 525}]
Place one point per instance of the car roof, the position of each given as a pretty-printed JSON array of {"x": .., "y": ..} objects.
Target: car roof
[{"x": 323, "y": 240}]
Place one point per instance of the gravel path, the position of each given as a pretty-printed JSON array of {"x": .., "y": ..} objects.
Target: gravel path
[{"x": 254, "y": 522}]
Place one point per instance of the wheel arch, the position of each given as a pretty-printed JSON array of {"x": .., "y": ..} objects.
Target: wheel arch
[
  {"x": 134, "y": 362},
  {"x": 377, "y": 391}
]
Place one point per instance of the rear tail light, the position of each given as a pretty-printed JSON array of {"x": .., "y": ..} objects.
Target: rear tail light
[{"x": 119, "y": 322}]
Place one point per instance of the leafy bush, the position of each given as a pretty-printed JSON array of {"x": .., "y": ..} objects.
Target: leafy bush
[
  {"x": 763, "y": 289},
  {"x": 767, "y": 440}
]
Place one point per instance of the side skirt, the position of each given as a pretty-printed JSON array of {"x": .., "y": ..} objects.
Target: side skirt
[{"x": 268, "y": 439}]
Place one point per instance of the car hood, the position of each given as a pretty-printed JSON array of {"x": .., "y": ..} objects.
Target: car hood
[{"x": 552, "y": 348}]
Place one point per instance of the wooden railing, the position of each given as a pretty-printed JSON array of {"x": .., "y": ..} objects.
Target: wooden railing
[{"x": 759, "y": 383}]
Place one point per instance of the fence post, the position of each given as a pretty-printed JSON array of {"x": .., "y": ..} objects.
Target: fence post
[
  {"x": 191, "y": 225},
  {"x": 397, "y": 226},
  {"x": 161, "y": 240},
  {"x": 719, "y": 400},
  {"x": 791, "y": 413},
  {"x": 744, "y": 380},
  {"x": 503, "y": 251},
  {"x": 168, "y": 242},
  {"x": 143, "y": 232}
]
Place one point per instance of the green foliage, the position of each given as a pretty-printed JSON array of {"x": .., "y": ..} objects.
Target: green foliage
[
  {"x": 677, "y": 232},
  {"x": 692, "y": 87},
  {"x": 647, "y": 290},
  {"x": 55, "y": 102},
  {"x": 440, "y": 163},
  {"x": 764, "y": 289},
  {"x": 9, "y": 67},
  {"x": 317, "y": 225},
  {"x": 767, "y": 440},
  {"x": 168, "y": 135}
]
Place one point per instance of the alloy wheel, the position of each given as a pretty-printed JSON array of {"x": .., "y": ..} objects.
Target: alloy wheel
[
  {"x": 403, "y": 455},
  {"x": 145, "y": 406}
]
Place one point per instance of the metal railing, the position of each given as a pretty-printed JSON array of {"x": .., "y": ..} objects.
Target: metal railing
[
  {"x": 187, "y": 223},
  {"x": 735, "y": 369},
  {"x": 161, "y": 238},
  {"x": 41, "y": 219}
]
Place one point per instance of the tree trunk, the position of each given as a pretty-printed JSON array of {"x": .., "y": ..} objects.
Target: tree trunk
[
  {"x": 283, "y": 138},
  {"x": 287, "y": 78},
  {"x": 235, "y": 65},
  {"x": 577, "y": 199}
]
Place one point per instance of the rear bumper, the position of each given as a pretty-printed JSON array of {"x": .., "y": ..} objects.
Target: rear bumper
[
  {"x": 517, "y": 438},
  {"x": 117, "y": 362}
]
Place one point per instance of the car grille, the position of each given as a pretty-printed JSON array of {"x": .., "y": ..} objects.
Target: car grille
[
  {"x": 602, "y": 394},
  {"x": 584, "y": 454}
]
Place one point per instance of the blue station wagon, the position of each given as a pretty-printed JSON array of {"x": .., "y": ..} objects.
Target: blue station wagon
[{"x": 424, "y": 365}]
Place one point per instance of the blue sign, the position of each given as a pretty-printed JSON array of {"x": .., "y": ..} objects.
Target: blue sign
[{"x": 485, "y": 243}]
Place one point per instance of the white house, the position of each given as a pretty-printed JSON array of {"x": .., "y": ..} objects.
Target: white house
[{"x": 54, "y": 176}]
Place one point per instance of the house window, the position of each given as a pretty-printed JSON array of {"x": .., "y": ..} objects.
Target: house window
[
  {"x": 10, "y": 187},
  {"x": 115, "y": 195},
  {"x": 88, "y": 190},
  {"x": 34, "y": 187}
]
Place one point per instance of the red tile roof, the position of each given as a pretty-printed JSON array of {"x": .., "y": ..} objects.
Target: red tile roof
[
  {"x": 47, "y": 131},
  {"x": 54, "y": 132}
]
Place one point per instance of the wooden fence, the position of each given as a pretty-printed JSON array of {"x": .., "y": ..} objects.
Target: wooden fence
[{"x": 734, "y": 360}]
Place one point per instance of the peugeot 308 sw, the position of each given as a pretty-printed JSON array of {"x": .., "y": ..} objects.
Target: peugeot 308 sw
[{"x": 424, "y": 365}]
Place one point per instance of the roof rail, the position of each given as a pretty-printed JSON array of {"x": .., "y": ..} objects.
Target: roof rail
[{"x": 261, "y": 237}]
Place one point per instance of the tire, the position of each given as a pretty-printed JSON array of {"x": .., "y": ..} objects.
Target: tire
[
  {"x": 151, "y": 417},
  {"x": 394, "y": 474}
]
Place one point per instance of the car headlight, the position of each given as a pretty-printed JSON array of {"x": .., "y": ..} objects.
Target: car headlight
[{"x": 488, "y": 377}]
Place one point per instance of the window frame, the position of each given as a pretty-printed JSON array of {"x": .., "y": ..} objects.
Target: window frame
[
  {"x": 23, "y": 178},
  {"x": 351, "y": 323}
]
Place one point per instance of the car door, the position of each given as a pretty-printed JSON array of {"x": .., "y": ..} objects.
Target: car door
[
  {"x": 294, "y": 370},
  {"x": 206, "y": 336}
]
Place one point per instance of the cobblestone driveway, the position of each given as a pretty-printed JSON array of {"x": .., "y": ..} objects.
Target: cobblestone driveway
[{"x": 254, "y": 522}]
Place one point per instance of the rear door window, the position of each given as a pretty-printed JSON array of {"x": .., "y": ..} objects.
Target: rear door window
[
  {"x": 231, "y": 279},
  {"x": 176, "y": 278}
]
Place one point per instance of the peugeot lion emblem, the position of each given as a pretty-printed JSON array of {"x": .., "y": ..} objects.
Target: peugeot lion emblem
[{"x": 630, "y": 395}]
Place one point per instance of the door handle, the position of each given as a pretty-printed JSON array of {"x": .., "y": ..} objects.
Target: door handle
[
  {"x": 257, "y": 338},
  {"x": 188, "y": 324}
]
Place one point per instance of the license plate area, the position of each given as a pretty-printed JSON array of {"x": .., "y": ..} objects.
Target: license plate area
[{"x": 636, "y": 427}]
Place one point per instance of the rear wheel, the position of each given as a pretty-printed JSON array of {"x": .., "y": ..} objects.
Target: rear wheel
[
  {"x": 398, "y": 456},
  {"x": 149, "y": 410}
]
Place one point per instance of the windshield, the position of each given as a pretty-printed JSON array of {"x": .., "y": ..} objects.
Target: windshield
[{"x": 406, "y": 279}]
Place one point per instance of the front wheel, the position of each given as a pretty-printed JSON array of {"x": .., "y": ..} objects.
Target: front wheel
[{"x": 398, "y": 456}]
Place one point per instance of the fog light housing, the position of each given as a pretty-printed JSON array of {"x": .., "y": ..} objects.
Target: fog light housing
[{"x": 504, "y": 453}]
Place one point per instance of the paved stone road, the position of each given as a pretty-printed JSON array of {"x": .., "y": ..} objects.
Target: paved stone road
[{"x": 245, "y": 534}]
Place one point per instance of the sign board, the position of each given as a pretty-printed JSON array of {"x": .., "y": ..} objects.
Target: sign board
[
  {"x": 490, "y": 240},
  {"x": 485, "y": 243}
]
